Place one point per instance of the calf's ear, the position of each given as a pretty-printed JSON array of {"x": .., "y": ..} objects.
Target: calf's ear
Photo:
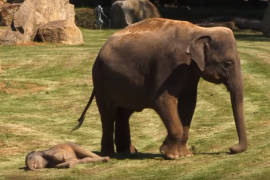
[{"x": 197, "y": 50}]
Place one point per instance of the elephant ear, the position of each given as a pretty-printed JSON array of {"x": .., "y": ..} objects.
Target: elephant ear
[{"x": 197, "y": 48}]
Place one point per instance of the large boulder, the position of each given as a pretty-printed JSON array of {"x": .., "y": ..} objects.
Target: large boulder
[
  {"x": 7, "y": 13},
  {"x": 59, "y": 32},
  {"x": 2, "y": 2},
  {"x": 266, "y": 22},
  {"x": 126, "y": 12},
  {"x": 10, "y": 37},
  {"x": 33, "y": 14},
  {"x": 243, "y": 23}
]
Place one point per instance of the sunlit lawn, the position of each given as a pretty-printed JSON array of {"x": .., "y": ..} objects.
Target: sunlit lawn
[{"x": 44, "y": 88}]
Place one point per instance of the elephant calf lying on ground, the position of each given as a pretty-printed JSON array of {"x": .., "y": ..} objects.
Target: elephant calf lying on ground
[{"x": 66, "y": 155}]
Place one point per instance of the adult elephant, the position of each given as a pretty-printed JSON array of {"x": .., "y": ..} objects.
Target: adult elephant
[{"x": 157, "y": 63}]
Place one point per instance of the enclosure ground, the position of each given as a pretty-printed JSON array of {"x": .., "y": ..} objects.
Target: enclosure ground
[{"x": 44, "y": 88}]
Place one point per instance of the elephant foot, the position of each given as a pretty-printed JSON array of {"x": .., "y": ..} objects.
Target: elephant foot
[
  {"x": 174, "y": 149},
  {"x": 184, "y": 152},
  {"x": 128, "y": 150},
  {"x": 169, "y": 152},
  {"x": 133, "y": 149}
]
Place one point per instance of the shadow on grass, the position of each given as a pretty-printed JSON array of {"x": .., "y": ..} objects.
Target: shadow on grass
[
  {"x": 137, "y": 156},
  {"x": 142, "y": 156},
  {"x": 24, "y": 168},
  {"x": 212, "y": 153},
  {"x": 251, "y": 37}
]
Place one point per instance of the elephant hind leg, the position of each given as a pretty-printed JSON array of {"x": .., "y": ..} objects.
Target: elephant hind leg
[
  {"x": 108, "y": 115},
  {"x": 122, "y": 132}
]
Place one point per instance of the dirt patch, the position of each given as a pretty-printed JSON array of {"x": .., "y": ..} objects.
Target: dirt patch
[
  {"x": 10, "y": 66},
  {"x": 20, "y": 88}
]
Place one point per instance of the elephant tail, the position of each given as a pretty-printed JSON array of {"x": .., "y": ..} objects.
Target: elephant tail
[{"x": 81, "y": 119}]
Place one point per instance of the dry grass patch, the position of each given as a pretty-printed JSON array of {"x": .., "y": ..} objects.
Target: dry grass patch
[{"x": 20, "y": 88}]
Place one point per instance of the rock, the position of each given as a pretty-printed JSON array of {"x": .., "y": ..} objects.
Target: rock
[
  {"x": 60, "y": 32},
  {"x": 228, "y": 24},
  {"x": 266, "y": 21},
  {"x": 11, "y": 37},
  {"x": 243, "y": 23},
  {"x": 7, "y": 13},
  {"x": 126, "y": 12},
  {"x": 34, "y": 13},
  {"x": 2, "y": 2}
]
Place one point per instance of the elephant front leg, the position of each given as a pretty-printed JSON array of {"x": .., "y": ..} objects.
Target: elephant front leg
[
  {"x": 186, "y": 107},
  {"x": 174, "y": 145}
]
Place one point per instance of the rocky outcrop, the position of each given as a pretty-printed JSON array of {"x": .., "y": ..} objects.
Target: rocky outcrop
[
  {"x": 59, "y": 32},
  {"x": 7, "y": 13},
  {"x": 126, "y": 12},
  {"x": 243, "y": 23},
  {"x": 2, "y": 2},
  {"x": 228, "y": 24},
  {"x": 33, "y": 14}
]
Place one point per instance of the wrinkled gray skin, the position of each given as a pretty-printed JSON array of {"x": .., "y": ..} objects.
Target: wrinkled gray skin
[
  {"x": 66, "y": 155},
  {"x": 157, "y": 63}
]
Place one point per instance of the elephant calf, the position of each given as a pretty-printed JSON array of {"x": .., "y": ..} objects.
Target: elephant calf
[
  {"x": 66, "y": 155},
  {"x": 157, "y": 63}
]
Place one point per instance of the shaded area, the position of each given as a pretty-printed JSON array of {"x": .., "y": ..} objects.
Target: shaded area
[
  {"x": 251, "y": 37},
  {"x": 45, "y": 117},
  {"x": 138, "y": 156}
]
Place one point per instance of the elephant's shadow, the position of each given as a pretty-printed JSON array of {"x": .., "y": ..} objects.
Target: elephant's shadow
[
  {"x": 211, "y": 153},
  {"x": 136, "y": 156},
  {"x": 142, "y": 156}
]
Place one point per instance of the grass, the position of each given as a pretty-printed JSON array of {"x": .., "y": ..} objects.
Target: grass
[{"x": 44, "y": 88}]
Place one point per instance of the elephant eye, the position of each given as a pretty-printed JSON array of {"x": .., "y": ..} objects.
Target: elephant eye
[{"x": 227, "y": 64}]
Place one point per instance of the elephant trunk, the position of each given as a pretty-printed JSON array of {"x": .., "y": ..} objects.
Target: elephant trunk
[{"x": 236, "y": 93}]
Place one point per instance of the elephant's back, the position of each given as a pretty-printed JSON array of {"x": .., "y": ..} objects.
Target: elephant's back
[{"x": 155, "y": 25}]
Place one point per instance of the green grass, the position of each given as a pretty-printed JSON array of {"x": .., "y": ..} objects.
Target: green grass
[{"x": 44, "y": 88}]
